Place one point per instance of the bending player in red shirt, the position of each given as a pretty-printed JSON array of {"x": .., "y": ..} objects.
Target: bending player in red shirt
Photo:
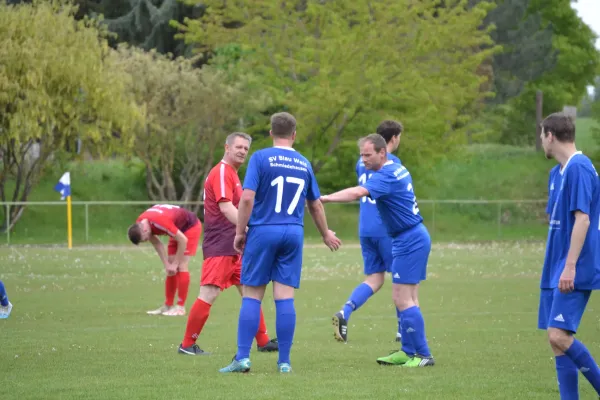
[
  {"x": 184, "y": 229},
  {"x": 222, "y": 265}
]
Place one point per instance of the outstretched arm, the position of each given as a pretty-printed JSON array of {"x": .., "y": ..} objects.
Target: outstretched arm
[{"x": 346, "y": 195}]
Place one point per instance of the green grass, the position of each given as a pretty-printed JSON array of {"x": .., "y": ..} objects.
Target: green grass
[{"x": 79, "y": 331}]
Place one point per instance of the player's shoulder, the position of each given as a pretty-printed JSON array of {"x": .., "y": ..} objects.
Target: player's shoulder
[
  {"x": 393, "y": 158},
  {"x": 580, "y": 163}
]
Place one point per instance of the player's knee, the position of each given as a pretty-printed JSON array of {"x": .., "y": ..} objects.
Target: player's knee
[
  {"x": 375, "y": 281},
  {"x": 209, "y": 293},
  {"x": 559, "y": 339},
  {"x": 281, "y": 291}
]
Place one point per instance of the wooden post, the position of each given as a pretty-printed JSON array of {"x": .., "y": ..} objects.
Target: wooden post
[{"x": 539, "y": 102}]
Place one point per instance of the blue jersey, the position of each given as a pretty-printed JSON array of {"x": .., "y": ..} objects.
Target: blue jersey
[
  {"x": 392, "y": 188},
  {"x": 369, "y": 221},
  {"x": 574, "y": 188},
  {"x": 282, "y": 179}
]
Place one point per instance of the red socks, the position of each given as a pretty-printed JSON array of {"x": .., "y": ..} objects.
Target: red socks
[
  {"x": 261, "y": 335},
  {"x": 183, "y": 285},
  {"x": 170, "y": 290},
  {"x": 196, "y": 320}
]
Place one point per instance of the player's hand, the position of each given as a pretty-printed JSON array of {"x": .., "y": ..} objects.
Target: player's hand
[
  {"x": 239, "y": 242},
  {"x": 324, "y": 199},
  {"x": 566, "y": 282},
  {"x": 171, "y": 269},
  {"x": 332, "y": 241}
]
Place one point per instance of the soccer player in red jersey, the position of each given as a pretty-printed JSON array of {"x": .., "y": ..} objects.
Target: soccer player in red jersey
[
  {"x": 184, "y": 229},
  {"x": 222, "y": 265}
]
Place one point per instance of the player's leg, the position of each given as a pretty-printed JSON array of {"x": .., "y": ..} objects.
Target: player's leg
[
  {"x": 263, "y": 343},
  {"x": 5, "y": 305},
  {"x": 411, "y": 253},
  {"x": 171, "y": 283},
  {"x": 566, "y": 370},
  {"x": 183, "y": 275},
  {"x": 213, "y": 280},
  {"x": 257, "y": 262},
  {"x": 374, "y": 269},
  {"x": 565, "y": 316},
  {"x": 286, "y": 277}
]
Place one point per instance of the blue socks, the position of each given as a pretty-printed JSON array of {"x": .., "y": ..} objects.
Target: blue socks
[
  {"x": 399, "y": 321},
  {"x": 247, "y": 326},
  {"x": 568, "y": 378},
  {"x": 358, "y": 297},
  {"x": 413, "y": 331},
  {"x": 3, "y": 295},
  {"x": 583, "y": 360},
  {"x": 285, "y": 325}
]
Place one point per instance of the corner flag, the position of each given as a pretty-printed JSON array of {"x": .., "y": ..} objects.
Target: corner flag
[
  {"x": 64, "y": 185},
  {"x": 64, "y": 188}
]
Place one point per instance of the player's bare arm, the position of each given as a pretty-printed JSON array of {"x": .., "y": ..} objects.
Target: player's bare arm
[
  {"x": 244, "y": 211},
  {"x": 160, "y": 249},
  {"x": 580, "y": 228},
  {"x": 181, "y": 246},
  {"x": 346, "y": 195},
  {"x": 229, "y": 211},
  {"x": 317, "y": 212}
]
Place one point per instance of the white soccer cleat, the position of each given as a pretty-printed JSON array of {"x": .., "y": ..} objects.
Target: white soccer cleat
[
  {"x": 175, "y": 311},
  {"x": 5, "y": 311},
  {"x": 161, "y": 310}
]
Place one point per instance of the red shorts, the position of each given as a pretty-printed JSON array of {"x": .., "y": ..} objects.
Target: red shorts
[
  {"x": 193, "y": 235},
  {"x": 221, "y": 271}
]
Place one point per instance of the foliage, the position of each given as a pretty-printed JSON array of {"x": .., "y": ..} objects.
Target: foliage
[
  {"x": 340, "y": 67},
  {"x": 189, "y": 111},
  {"x": 577, "y": 65},
  {"x": 58, "y": 82}
]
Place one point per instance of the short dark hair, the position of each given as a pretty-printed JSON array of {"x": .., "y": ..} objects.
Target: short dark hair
[
  {"x": 377, "y": 140},
  {"x": 283, "y": 125},
  {"x": 135, "y": 233},
  {"x": 561, "y": 126},
  {"x": 389, "y": 128}
]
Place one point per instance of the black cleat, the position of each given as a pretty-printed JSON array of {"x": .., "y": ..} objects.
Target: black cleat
[
  {"x": 193, "y": 350},
  {"x": 340, "y": 327},
  {"x": 271, "y": 346}
]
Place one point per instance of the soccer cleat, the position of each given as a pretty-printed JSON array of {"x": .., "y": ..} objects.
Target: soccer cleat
[
  {"x": 162, "y": 309},
  {"x": 5, "y": 311},
  {"x": 419, "y": 361},
  {"x": 175, "y": 311},
  {"x": 193, "y": 350},
  {"x": 395, "y": 358},
  {"x": 340, "y": 327},
  {"x": 284, "y": 368},
  {"x": 242, "y": 365},
  {"x": 271, "y": 346},
  {"x": 398, "y": 337}
]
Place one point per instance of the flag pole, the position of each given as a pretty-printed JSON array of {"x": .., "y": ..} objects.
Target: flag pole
[{"x": 69, "y": 224}]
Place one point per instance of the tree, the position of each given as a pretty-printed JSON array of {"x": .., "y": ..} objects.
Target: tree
[
  {"x": 527, "y": 51},
  {"x": 334, "y": 64},
  {"x": 58, "y": 82},
  {"x": 189, "y": 112},
  {"x": 578, "y": 62}
]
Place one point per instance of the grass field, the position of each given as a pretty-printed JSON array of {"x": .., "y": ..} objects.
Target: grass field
[{"x": 79, "y": 330}]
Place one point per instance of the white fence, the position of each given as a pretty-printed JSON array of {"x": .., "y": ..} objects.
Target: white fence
[{"x": 441, "y": 216}]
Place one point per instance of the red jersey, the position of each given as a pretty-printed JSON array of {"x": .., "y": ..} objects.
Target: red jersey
[
  {"x": 166, "y": 219},
  {"x": 222, "y": 184}
]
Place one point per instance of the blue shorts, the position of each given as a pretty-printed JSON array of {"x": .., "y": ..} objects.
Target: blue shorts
[
  {"x": 410, "y": 251},
  {"x": 273, "y": 253},
  {"x": 377, "y": 254},
  {"x": 562, "y": 310}
]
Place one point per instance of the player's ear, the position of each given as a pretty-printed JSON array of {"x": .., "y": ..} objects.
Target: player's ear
[{"x": 294, "y": 135}]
